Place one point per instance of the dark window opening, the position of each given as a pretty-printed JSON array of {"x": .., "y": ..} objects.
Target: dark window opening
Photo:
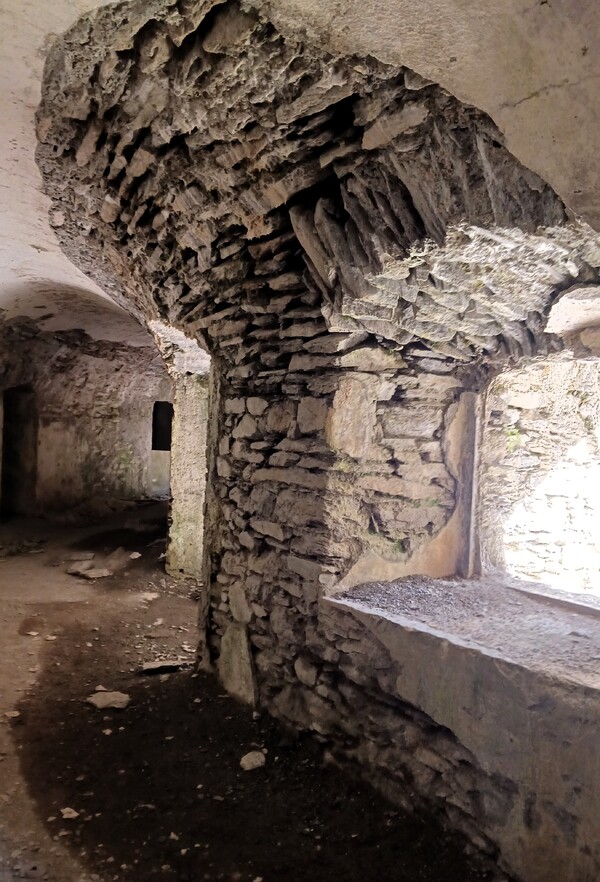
[
  {"x": 19, "y": 452},
  {"x": 162, "y": 422}
]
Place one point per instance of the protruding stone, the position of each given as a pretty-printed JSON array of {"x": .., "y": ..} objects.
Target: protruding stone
[
  {"x": 306, "y": 672},
  {"x": 389, "y": 127},
  {"x": 235, "y": 664},
  {"x": 351, "y": 420},
  {"x": 240, "y": 608},
  {"x": 267, "y": 528},
  {"x": 307, "y": 569},
  {"x": 312, "y": 413},
  {"x": 256, "y": 406},
  {"x": 235, "y": 405},
  {"x": 247, "y": 540},
  {"x": 280, "y": 416},
  {"x": 246, "y": 428}
]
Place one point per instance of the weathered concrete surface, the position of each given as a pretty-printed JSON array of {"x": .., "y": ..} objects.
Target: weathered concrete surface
[
  {"x": 520, "y": 694},
  {"x": 33, "y": 270}
]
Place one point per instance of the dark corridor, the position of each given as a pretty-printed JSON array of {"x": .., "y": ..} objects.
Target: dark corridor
[{"x": 19, "y": 451}]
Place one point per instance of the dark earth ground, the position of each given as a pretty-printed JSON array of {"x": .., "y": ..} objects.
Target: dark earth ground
[{"x": 157, "y": 787}]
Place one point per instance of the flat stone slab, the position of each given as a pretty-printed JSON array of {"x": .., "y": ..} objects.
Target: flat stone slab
[
  {"x": 528, "y": 623},
  {"x": 168, "y": 666},
  {"x": 104, "y": 700},
  {"x": 97, "y": 573}
]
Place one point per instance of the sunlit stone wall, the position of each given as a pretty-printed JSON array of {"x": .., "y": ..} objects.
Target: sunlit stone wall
[{"x": 539, "y": 475}]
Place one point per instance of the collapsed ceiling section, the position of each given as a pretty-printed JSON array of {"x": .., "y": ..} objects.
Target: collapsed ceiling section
[{"x": 243, "y": 185}]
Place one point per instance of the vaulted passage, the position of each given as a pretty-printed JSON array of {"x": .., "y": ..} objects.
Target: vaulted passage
[
  {"x": 353, "y": 339},
  {"x": 360, "y": 254}
]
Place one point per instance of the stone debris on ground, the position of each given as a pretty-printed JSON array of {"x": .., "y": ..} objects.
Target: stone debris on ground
[
  {"x": 80, "y": 568},
  {"x": 117, "y": 559},
  {"x": 88, "y": 565},
  {"x": 97, "y": 573},
  {"x": 105, "y": 771},
  {"x": 78, "y": 556},
  {"x": 165, "y": 666},
  {"x": 105, "y": 700},
  {"x": 21, "y": 546},
  {"x": 255, "y": 759}
]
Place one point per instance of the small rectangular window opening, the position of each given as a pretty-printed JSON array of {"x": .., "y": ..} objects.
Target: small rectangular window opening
[{"x": 162, "y": 421}]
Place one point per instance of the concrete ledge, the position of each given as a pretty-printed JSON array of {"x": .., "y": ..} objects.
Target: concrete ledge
[{"x": 517, "y": 683}]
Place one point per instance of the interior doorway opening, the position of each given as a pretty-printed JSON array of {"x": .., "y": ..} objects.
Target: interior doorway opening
[{"x": 19, "y": 451}]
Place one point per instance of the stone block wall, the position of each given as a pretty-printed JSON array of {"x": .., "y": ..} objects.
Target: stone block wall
[{"x": 317, "y": 470}]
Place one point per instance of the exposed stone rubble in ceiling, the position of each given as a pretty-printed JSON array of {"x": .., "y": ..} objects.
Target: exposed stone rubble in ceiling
[
  {"x": 342, "y": 236},
  {"x": 253, "y": 184},
  {"x": 181, "y": 354}
]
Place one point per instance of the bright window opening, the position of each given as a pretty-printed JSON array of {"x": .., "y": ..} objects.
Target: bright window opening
[{"x": 539, "y": 476}]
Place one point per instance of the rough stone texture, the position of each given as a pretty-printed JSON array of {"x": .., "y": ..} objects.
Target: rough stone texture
[
  {"x": 371, "y": 243},
  {"x": 539, "y": 474},
  {"x": 94, "y": 402},
  {"x": 235, "y": 664},
  {"x": 323, "y": 228},
  {"x": 435, "y": 699},
  {"x": 185, "y": 551},
  {"x": 528, "y": 65}
]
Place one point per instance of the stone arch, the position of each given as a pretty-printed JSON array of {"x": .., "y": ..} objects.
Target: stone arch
[
  {"x": 358, "y": 251},
  {"x": 354, "y": 246},
  {"x": 327, "y": 194}
]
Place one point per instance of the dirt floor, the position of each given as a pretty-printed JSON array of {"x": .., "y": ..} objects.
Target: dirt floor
[{"x": 155, "y": 790}]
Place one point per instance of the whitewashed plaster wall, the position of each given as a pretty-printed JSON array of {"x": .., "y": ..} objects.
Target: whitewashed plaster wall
[{"x": 94, "y": 410}]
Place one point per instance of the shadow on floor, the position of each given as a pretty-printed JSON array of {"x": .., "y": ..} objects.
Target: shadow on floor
[{"x": 160, "y": 794}]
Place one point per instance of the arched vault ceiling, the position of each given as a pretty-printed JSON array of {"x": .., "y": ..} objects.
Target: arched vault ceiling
[{"x": 241, "y": 184}]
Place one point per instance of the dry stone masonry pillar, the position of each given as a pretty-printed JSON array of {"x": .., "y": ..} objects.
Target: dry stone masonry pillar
[{"x": 358, "y": 251}]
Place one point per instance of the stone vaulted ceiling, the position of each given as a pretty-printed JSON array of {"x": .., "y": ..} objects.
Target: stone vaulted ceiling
[{"x": 243, "y": 185}]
